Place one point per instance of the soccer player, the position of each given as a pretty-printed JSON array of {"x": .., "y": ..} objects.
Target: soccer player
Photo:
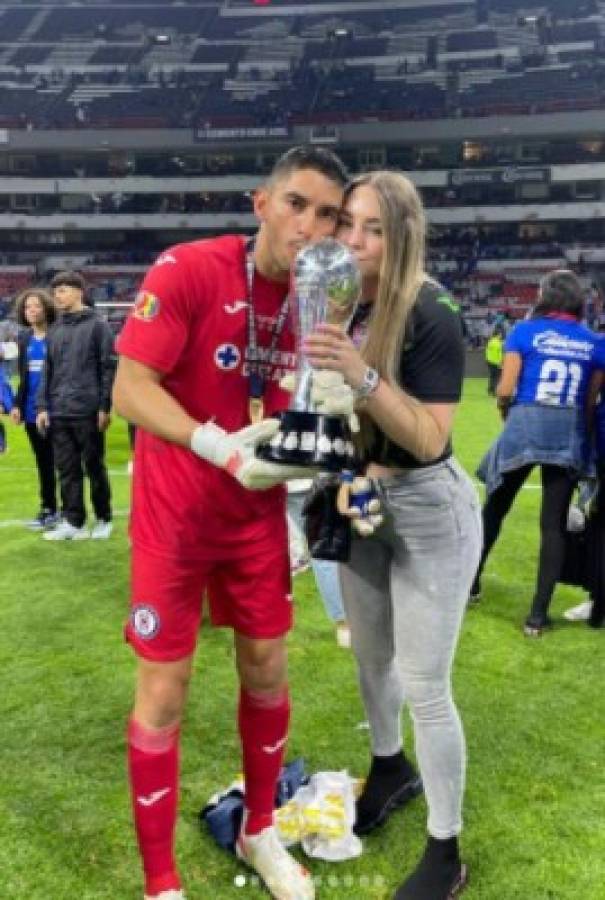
[{"x": 201, "y": 358}]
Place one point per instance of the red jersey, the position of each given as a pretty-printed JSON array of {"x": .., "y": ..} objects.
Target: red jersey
[{"x": 190, "y": 323}]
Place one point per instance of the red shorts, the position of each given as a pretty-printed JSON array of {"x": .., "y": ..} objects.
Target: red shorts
[{"x": 250, "y": 594}]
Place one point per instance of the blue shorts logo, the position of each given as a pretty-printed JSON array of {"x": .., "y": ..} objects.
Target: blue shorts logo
[{"x": 145, "y": 622}]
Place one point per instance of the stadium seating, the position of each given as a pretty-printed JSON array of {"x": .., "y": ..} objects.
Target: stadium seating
[
  {"x": 136, "y": 64},
  {"x": 401, "y": 58}
]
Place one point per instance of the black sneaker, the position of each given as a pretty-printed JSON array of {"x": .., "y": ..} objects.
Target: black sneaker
[
  {"x": 474, "y": 595},
  {"x": 438, "y": 876},
  {"x": 391, "y": 783},
  {"x": 535, "y": 626},
  {"x": 44, "y": 520}
]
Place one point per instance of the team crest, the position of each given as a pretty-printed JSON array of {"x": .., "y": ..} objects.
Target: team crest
[
  {"x": 227, "y": 357},
  {"x": 146, "y": 306},
  {"x": 145, "y": 622}
]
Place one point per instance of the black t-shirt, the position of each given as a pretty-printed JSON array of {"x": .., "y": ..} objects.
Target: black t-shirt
[{"x": 431, "y": 367}]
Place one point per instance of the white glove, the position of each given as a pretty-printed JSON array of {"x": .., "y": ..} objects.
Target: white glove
[
  {"x": 331, "y": 395},
  {"x": 236, "y": 454},
  {"x": 358, "y": 500}
]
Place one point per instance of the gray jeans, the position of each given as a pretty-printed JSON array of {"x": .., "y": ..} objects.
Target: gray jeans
[{"x": 405, "y": 589}]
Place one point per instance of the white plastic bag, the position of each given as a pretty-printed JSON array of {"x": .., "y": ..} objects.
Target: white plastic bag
[{"x": 321, "y": 816}]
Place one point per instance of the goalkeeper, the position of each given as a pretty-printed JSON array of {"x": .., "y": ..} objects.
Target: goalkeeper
[{"x": 201, "y": 358}]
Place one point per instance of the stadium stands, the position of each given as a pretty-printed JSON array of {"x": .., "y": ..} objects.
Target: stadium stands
[
  {"x": 315, "y": 68},
  {"x": 516, "y": 68}
]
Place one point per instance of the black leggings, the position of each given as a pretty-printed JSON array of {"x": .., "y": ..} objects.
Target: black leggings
[{"x": 557, "y": 489}]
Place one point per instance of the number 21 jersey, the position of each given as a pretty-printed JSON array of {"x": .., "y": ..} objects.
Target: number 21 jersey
[{"x": 558, "y": 358}]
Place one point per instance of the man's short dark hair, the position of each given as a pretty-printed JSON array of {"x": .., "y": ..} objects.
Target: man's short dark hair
[
  {"x": 69, "y": 278},
  {"x": 308, "y": 157},
  {"x": 560, "y": 291}
]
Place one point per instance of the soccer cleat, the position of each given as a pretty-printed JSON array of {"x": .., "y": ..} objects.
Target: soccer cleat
[
  {"x": 45, "y": 519},
  {"x": 64, "y": 531},
  {"x": 101, "y": 531},
  {"x": 166, "y": 895},
  {"x": 283, "y": 876},
  {"x": 579, "y": 613}
]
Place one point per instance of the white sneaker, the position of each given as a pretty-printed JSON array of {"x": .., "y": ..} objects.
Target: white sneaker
[
  {"x": 283, "y": 876},
  {"x": 130, "y": 467},
  {"x": 579, "y": 613},
  {"x": 343, "y": 636},
  {"x": 299, "y": 566},
  {"x": 167, "y": 895},
  {"x": 66, "y": 532},
  {"x": 101, "y": 531}
]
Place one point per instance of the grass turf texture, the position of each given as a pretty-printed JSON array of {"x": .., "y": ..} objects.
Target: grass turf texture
[{"x": 533, "y": 714}]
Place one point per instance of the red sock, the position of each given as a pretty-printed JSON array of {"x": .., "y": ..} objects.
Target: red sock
[
  {"x": 263, "y": 726},
  {"x": 153, "y": 762}
]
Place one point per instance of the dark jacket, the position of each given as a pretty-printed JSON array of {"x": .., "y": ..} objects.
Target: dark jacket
[{"x": 78, "y": 374}]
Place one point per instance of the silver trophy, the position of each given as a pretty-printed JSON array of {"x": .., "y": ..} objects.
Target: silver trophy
[{"x": 326, "y": 288}]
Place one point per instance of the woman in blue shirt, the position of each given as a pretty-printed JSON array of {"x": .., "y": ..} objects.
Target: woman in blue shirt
[
  {"x": 35, "y": 310},
  {"x": 548, "y": 365}
]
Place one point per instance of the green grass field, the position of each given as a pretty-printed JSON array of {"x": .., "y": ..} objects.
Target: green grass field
[{"x": 533, "y": 713}]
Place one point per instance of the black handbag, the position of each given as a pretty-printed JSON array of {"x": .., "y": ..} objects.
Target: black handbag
[
  {"x": 328, "y": 532},
  {"x": 577, "y": 568}
]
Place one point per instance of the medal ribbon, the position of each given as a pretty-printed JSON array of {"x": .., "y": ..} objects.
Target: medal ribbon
[{"x": 256, "y": 381}]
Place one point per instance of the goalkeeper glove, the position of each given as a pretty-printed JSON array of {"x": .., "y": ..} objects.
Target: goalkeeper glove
[{"x": 235, "y": 453}]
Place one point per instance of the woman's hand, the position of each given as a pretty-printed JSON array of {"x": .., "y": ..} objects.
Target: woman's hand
[
  {"x": 15, "y": 416},
  {"x": 329, "y": 347}
]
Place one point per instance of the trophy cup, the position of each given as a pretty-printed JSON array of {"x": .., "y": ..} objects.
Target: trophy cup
[{"x": 326, "y": 288}]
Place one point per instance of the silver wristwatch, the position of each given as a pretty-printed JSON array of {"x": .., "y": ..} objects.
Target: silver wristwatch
[{"x": 369, "y": 384}]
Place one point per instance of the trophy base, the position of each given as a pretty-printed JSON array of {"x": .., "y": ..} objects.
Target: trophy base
[{"x": 310, "y": 439}]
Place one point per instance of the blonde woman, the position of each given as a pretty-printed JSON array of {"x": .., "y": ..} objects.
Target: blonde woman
[{"x": 405, "y": 587}]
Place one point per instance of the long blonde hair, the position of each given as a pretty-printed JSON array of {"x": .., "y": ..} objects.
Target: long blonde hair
[
  {"x": 402, "y": 269},
  {"x": 402, "y": 274}
]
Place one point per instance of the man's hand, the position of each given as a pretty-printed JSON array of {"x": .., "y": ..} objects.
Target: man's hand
[
  {"x": 43, "y": 422},
  {"x": 15, "y": 416},
  {"x": 103, "y": 420},
  {"x": 236, "y": 453},
  {"x": 358, "y": 500}
]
